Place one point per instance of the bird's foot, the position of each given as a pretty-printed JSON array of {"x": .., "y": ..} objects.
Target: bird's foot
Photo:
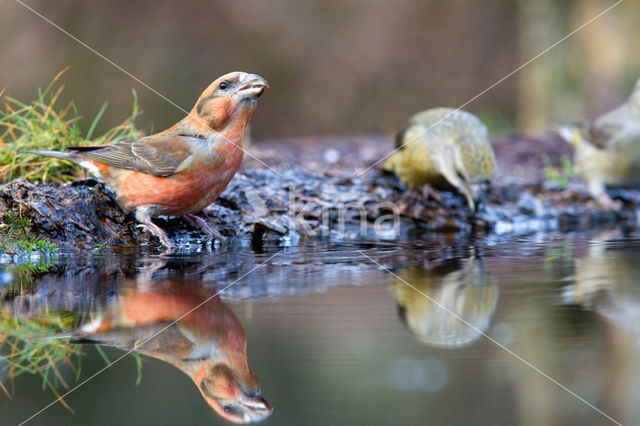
[
  {"x": 144, "y": 228},
  {"x": 158, "y": 232},
  {"x": 608, "y": 203},
  {"x": 428, "y": 191},
  {"x": 200, "y": 223}
]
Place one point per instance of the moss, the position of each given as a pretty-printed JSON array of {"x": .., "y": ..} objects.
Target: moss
[{"x": 16, "y": 236}]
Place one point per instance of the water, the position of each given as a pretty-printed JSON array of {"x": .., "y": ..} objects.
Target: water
[{"x": 451, "y": 331}]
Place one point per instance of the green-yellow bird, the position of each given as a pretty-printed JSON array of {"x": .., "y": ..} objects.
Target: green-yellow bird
[
  {"x": 445, "y": 147},
  {"x": 607, "y": 149}
]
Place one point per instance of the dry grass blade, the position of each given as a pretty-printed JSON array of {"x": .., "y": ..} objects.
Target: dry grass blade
[{"x": 6, "y": 391}]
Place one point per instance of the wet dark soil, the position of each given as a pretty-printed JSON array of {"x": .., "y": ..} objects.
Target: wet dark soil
[{"x": 313, "y": 190}]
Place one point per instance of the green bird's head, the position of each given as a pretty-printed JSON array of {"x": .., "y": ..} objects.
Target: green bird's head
[{"x": 572, "y": 133}]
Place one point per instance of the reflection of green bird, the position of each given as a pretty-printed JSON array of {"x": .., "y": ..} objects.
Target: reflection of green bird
[
  {"x": 443, "y": 147},
  {"x": 607, "y": 149},
  {"x": 436, "y": 299},
  {"x": 605, "y": 281}
]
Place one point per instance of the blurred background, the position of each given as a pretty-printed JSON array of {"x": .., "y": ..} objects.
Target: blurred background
[{"x": 335, "y": 67}]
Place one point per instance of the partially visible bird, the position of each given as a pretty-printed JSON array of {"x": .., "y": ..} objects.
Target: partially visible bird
[
  {"x": 447, "y": 306},
  {"x": 605, "y": 281},
  {"x": 607, "y": 149},
  {"x": 445, "y": 147},
  {"x": 183, "y": 169},
  {"x": 178, "y": 323}
]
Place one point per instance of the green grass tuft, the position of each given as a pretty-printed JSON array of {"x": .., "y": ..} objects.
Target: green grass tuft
[
  {"x": 45, "y": 125},
  {"x": 22, "y": 349},
  {"x": 25, "y": 348}
]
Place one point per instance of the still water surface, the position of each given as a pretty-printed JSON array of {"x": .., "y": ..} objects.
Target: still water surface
[{"x": 428, "y": 335}]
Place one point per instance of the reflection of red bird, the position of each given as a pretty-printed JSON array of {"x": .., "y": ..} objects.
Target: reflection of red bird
[
  {"x": 208, "y": 344},
  {"x": 182, "y": 170}
]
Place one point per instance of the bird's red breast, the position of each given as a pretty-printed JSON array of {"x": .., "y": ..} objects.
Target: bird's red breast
[{"x": 187, "y": 191}]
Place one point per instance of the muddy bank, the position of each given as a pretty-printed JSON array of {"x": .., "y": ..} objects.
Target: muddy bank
[{"x": 313, "y": 192}]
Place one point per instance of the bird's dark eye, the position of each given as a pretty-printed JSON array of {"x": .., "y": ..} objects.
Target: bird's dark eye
[
  {"x": 223, "y": 85},
  {"x": 228, "y": 409}
]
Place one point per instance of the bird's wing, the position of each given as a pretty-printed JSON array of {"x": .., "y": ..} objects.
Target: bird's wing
[
  {"x": 627, "y": 140},
  {"x": 148, "y": 337},
  {"x": 159, "y": 155},
  {"x": 604, "y": 128}
]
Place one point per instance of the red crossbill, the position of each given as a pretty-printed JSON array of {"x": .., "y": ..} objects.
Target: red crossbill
[
  {"x": 183, "y": 169},
  {"x": 208, "y": 344}
]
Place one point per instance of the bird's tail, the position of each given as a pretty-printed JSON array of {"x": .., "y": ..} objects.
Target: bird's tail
[
  {"x": 63, "y": 335},
  {"x": 74, "y": 338},
  {"x": 71, "y": 156}
]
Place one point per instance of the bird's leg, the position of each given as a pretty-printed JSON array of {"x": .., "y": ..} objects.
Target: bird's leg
[
  {"x": 200, "y": 223},
  {"x": 599, "y": 193},
  {"x": 142, "y": 216},
  {"x": 144, "y": 278},
  {"x": 428, "y": 191}
]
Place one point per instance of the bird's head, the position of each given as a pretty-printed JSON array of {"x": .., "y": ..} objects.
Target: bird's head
[
  {"x": 232, "y": 96},
  {"x": 235, "y": 395}
]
